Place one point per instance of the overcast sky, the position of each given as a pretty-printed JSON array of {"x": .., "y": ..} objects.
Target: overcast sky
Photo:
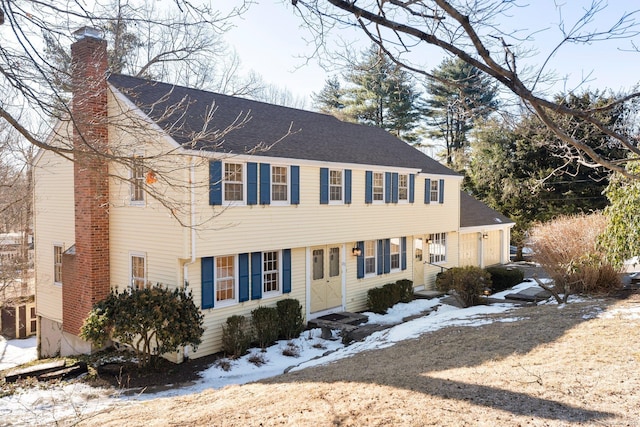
[{"x": 269, "y": 40}]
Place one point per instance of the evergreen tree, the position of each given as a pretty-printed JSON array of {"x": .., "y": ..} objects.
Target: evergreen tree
[
  {"x": 460, "y": 95},
  {"x": 378, "y": 93}
]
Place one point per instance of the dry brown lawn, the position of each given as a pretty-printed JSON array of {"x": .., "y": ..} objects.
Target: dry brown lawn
[{"x": 553, "y": 367}]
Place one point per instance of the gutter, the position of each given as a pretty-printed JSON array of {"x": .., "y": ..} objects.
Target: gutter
[{"x": 192, "y": 213}]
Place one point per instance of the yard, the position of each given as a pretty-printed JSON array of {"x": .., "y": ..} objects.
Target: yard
[{"x": 543, "y": 365}]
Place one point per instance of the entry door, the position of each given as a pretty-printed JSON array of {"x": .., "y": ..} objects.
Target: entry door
[
  {"x": 418, "y": 261},
  {"x": 326, "y": 278}
]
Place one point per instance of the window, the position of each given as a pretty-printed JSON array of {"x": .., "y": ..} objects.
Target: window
[
  {"x": 395, "y": 254},
  {"x": 137, "y": 179},
  {"x": 233, "y": 182},
  {"x": 434, "y": 190},
  {"x": 318, "y": 264},
  {"x": 418, "y": 248},
  {"x": 138, "y": 272},
  {"x": 403, "y": 188},
  {"x": 57, "y": 264},
  {"x": 225, "y": 281},
  {"x": 334, "y": 262},
  {"x": 370, "y": 257},
  {"x": 378, "y": 187},
  {"x": 279, "y": 184},
  {"x": 270, "y": 272},
  {"x": 335, "y": 185},
  {"x": 437, "y": 247}
]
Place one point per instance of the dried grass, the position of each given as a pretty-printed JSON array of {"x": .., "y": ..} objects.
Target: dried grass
[{"x": 554, "y": 366}]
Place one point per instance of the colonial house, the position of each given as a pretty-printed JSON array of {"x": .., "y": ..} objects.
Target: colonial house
[{"x": 244, "y": 202}]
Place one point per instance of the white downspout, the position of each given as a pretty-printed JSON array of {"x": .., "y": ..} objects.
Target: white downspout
[{"x": 192, "y": 224}]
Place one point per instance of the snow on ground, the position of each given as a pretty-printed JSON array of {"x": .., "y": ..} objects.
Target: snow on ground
[
  {"x": 16, "y": 352},
  {"x": 48, "y": 404}
]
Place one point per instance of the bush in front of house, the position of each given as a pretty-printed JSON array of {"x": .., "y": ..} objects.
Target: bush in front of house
[
  {"x": 236, "y": 336},
  {"x": 291, "y": 319},
  {"x": 379, "y": 300},
  {"x": 265, "y": 324},
  {"x": 467, "y": 284},
  {"x": 504, "y": 278},
  {"x": 152, "y": 321}
]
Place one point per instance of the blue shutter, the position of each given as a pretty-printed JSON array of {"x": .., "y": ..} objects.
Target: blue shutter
[
  {"x": 265, "y": 183},
  {"x": 394, "y": 187},
  {"x": 441, "y": 198},
  {"x": 387, "y": 187},
  {"x": 387, "y": 255},
  {"x": 347, "y": 186},
  {"x": 380, "y": 256},
  {"x": 360, "y": 245},
  {"x": 403, "y": 253},
  {"x": 324, "y": 186},
  {"x": 412, "y": 187},
  {"x": 215, "y": 182},
  {"x": 206, "y": 265},
  {"x": 368, "y": 187},
  {"x": 256, "y": 275},
  {"x": 295, "y": 185},
  {"x": 427, "y": 190},
  {"x": 252, "y": 183},
  {"x": 243, "y": 277},
  {"x": 286, "y": 271}
]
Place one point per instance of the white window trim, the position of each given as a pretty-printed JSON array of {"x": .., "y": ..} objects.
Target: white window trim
[
  {"x": 435, "y": 199},
  {"x": 375, "y": 258},
  {"x": 444, "y": 256},
  {"x": 277, "y": 293},
  {"x": 236, "y": 278},
  {"x": 373, "y": 186},
  {"x": 341, "y": 201},
  {"x": 136, "y": 155},
  {"x": 61, "y": 246},
  {"x": 399, "y": 268},
  {"x": 407, "y": 199},
  {"x": 244, "y": 185},
  {"x": 142, "y": 255},
  {"x": 288, "y": 191}
]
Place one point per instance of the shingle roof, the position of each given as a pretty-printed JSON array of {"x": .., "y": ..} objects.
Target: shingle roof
[
  {"x": 321, "y": 137},
  {"x": 474, "y": 213}
]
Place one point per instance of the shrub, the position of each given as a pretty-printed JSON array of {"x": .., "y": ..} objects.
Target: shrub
[
  {"x": 291, "y": 319},
  {"x": 380, "y": 299},
  {"x": 566, "y": 248},
  {"x": 152, "y": 321},
  {"x": 504, "y": 278},
  {"x": 265, "y": 325},
  {"x": 467, "y": 284},
  {"x": 236, "y": 336}
]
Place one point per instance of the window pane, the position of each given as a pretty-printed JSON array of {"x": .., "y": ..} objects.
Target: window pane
[
  {"x": 279, "y": 183},
  {"x": 137, "y": 180},
  {"x": 57, "y": 264},
  {"x": 318, "y": 264},
  {"x": 370, "y": 257},
  {"x": 395, "y": 253},
  {"x": 225, "y": 278},
  {"x": 434, "y": 190},
  {"x": 270, "y": 272},
  {"x": 403, "y": 187},
  {"x": 334, "y": 262},
  {"x": 138, "y": 276},
  {"x": 418, "y": 249},
  {"x": 233, "y": 184},
  {"x": 378, "y": 186},
  {"x": 438, "y": 247},
  {"x": 335, "y": 185}
]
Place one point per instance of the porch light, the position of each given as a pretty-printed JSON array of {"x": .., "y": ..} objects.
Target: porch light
[
  {"x": 356, "y": 251},
  {"x": 485, "y": 235}
]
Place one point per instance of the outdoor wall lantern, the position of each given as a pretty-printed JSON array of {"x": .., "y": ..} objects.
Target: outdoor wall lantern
[
  {"x": 356, "y": 251},
  {"x": 485, "y": 235}
]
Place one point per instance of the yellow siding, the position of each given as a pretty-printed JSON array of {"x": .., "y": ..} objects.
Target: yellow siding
[
  {"x": 240, "y": 229},
  {"x": 469, "y": 249},
  {"x": 216, "y": 317},
  {"x": 53, "y": 218},
  {"x": 493, "y": 248}
]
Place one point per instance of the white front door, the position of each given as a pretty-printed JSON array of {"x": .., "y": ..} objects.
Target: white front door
[{"x": 326, "y": 278}]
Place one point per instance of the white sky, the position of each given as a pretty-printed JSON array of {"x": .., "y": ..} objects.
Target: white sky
[{"x": 269, "y": 40}]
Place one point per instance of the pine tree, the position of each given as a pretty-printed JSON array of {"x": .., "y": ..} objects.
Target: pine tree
[{"x": 459, "y": 96}]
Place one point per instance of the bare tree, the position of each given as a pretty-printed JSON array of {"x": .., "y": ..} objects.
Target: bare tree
[{"x": 476, "y": 33}]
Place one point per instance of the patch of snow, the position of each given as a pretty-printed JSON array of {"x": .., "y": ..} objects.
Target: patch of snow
[
  {"x": 17, "y": 352},
  {"x": 629, "y": 313}
]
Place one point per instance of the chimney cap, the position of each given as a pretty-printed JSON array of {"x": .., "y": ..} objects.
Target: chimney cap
[{"x": 84, "y": 32}]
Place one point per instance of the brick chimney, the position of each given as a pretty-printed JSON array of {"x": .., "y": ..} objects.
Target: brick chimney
[{"x": 88, "y": 280}]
